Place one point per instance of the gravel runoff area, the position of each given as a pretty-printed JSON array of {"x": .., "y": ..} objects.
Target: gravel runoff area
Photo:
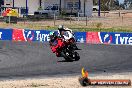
[{"x": 62, "y": 82}]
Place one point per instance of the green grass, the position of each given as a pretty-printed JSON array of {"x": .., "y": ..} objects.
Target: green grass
[
  {"x": 73, "y": 27},
  {"x": 101, "y": 29},
  {"x": 81, "y": 29},
  {"x": 95, "y": 29}
]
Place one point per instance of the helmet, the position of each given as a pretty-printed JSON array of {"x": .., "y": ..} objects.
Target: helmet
[{"x": 61, "y": 27}]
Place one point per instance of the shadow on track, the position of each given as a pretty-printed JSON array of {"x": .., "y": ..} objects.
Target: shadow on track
[{"x": 65, "y": 61}]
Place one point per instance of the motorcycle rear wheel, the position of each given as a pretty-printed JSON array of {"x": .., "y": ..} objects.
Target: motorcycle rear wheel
[
  {"x": 66, "y": 56},
  {"x": 77, "y": 57}
]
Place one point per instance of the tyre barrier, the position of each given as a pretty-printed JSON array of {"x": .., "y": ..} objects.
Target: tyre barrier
[{"x": 81, "y": 37}]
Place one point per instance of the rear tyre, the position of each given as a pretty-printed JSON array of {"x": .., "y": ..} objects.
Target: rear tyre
[
  {"x": 77, "y": 57},
  {"x": 66, "y": 56}
]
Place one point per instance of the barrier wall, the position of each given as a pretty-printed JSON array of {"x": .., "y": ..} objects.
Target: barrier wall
[
  {"x": 81, "y": 37},
  {"x": 5, "y": 34},
  {"x": 30, "y": 35},
  {"x": 109, "y": 38}
]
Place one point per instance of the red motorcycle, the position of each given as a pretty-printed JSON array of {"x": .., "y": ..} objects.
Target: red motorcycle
[{"x": 66, "y": 49}]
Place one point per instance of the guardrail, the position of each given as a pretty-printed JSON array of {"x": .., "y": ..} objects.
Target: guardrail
[{"x": 81, "y": 37}]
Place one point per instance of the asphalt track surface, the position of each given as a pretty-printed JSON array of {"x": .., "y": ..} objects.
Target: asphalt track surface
[{"x": 24, "y": 59}]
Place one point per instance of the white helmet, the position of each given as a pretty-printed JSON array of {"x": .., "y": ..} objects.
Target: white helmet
[{"x": 61, "y": 27}]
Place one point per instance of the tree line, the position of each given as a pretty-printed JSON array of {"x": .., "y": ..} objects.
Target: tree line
[{"x": 113, "y": 4}]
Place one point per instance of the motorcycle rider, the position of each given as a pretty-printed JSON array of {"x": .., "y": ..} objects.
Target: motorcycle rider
[{"x": 65, "y": 33}]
